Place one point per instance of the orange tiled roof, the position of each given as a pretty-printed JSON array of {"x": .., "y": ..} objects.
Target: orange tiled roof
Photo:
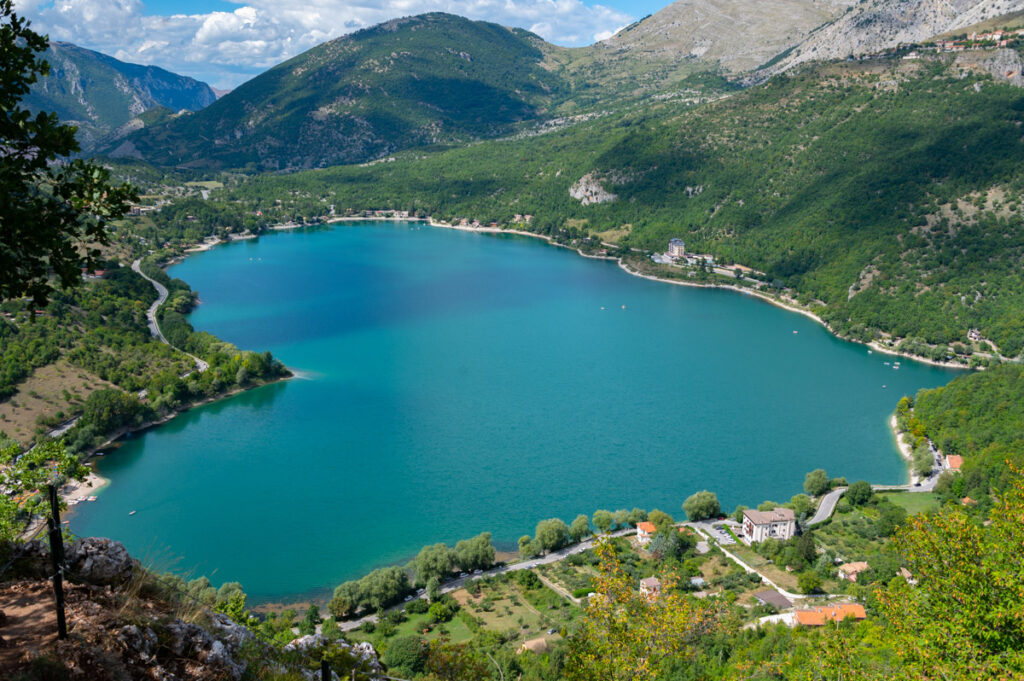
[
  {"x": 647, "y": 527},
  {"x": 955, "y": 461},
  {"x": 821, "y": 616}
]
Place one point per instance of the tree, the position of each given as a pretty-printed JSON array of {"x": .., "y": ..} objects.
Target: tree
[
  {"x": 24, "y": 476},
  {"x": 962, "y": 619},
  {"x": 433, "y": 589},
  {"x": 603, "y": 521},
  {"x": 435, "y": 560},
  {"x": 404, "y": 655},
  {"x": 312, "y": 618},
  {"x": 816, "y": 482},
  {"x": 52, "y": 215},
  {"x": 663, "y": 522},
  {"x": 621, "y": 518},
  {"x": 859, "y": 493},
  {"x": 552, "y": 534},
  {"x": 737, "y": 515},
  {"x": 624, "y": 636},
  {"x": 637, "y": 515},
  {"x": 702, "y": 505},
  {"x": 808, "y": 582},
  {"x": 802, "y": 504},
  {"x": 529, "y": 547},
  {"x": 580, "y": 528},
  {"x": 476, "y": 553}
]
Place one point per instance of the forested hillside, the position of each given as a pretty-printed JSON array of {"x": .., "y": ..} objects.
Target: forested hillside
[
  {"x": 431, "y": 79},
  {"x": 99, "y": 94},
  {"x": 979, "y": 417},
  {"x": 889, "y": 190}
]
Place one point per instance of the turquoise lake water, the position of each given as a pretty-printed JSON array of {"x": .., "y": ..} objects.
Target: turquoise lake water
[{"x": 454, "y": 383}]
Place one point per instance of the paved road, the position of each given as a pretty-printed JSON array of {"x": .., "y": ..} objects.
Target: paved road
[
  {"x": 154, "y": 328},
  {"x": 456, "y": 584},
  {"x": 827, "y": 506}
]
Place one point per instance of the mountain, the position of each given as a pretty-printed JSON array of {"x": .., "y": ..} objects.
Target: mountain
[
  {"x": 739, "y": 35},
  {"x": 99, "y": 93},
  {"x": 430, "y": 79},
  {"x": 876, "y": 25}
]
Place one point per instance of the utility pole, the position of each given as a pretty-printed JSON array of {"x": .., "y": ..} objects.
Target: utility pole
[{"x": 57, "y": 556}]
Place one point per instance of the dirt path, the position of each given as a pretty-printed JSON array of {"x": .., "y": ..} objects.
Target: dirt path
[{"x": 29, "y": 624}]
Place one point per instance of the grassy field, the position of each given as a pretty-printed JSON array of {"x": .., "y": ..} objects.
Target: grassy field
[
  {"x": 50, "y": 390},
  {"x": 787, "y": 580},
  {"x": 914, "y": 503}
]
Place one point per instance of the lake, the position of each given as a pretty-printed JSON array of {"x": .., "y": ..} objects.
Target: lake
[{"x": 451, "y": 383}]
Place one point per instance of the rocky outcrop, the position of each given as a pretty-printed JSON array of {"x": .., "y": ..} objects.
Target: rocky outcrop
[
  {"x": 738, "y": 34},
  {"x": 99, "y": 561},
  {"x": 1005, "y": 65},
  {"x": 359, "y": 656},
  {"x": 877, "y": 25},
  {"x": 588, "y": 190}
]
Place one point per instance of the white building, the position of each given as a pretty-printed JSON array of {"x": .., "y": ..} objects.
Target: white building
[
  {"x": 779, "y": 523},
  {"x": 644, "y": 531},
  {"x": 676, "y": 248}
]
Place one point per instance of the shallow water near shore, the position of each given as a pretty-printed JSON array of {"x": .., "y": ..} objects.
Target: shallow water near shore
[{"x": 452, "y": 383}]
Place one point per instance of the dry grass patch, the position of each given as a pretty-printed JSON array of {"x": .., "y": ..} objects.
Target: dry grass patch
[{"x": 45, "y": 394}]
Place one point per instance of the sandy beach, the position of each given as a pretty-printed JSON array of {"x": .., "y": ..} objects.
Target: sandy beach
[{"x": 73, "y": 493}]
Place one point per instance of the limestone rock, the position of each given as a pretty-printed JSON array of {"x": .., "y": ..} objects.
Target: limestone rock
[
  {"x": 588, "y": 190},
  {"x": 99, "y": 561}
]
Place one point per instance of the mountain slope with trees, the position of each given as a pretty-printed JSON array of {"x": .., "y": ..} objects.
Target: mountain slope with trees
[
  {"x": 430, "y": 79},
  {"x": 99, "y": 94}
]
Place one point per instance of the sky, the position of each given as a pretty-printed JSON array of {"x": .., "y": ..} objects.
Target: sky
[{"x": 226, "y": 42}]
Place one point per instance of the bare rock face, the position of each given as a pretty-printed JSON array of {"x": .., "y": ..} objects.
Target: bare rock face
[
  {"x": 233, "y": 635},
  {"x": 588, "y": 190},
  {"x": 192, "y": 641},
  {"x": 739, "y": 34},
  {"x": 1005, "y": 66},
  {"x": 99, "y": 561},
  {"x": 876, "y": 25},
  {"x": 361, "y": 656}
]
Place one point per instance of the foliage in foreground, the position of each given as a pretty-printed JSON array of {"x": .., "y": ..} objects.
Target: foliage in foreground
[
  {"x": 51, "y": 214},
  {"x": 628, "y": 636}
]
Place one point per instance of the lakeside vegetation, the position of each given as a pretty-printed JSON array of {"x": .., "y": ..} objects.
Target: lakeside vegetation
[{"x": 794, "y": 178}]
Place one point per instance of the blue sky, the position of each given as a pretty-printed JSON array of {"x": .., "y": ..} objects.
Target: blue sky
[{"x": 226, "y": 43}]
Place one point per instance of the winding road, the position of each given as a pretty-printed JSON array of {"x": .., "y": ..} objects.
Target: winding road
[{"x": 154, "y": 327}]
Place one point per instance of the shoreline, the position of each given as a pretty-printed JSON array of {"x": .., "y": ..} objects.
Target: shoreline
[{"x": 905, "y": 451}]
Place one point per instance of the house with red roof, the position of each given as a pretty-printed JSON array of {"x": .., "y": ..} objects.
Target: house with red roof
[
  {"x": 818, "y": 617},
  {"x": 644, "y": 532}
]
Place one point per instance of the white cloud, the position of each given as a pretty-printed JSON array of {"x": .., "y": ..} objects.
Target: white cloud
[{"x": 226, "y": 48}]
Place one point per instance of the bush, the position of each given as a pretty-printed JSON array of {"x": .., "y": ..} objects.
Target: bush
[
  {"x": 404, "y": 655},
  {"x": 528, "y": 580},
  {"x": 417, "y": 607},
  {"x": 859, "y": 493},
  {"x": 808, "y": 582}
]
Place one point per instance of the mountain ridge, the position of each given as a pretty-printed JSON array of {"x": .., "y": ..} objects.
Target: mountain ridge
[{"x": 99, "y": 93}]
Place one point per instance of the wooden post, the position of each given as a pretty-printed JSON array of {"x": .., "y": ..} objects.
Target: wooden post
[
  {"x": 57, "y": 558},
  {"x": 325, "y": 670}
]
